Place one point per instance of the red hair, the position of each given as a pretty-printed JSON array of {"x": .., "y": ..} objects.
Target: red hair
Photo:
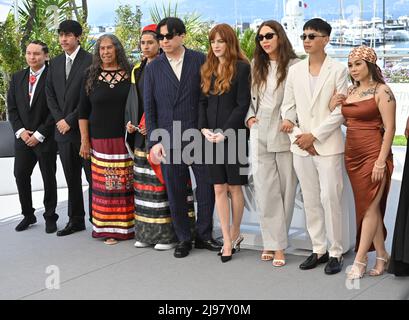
[{"x": 233, "y": 54}]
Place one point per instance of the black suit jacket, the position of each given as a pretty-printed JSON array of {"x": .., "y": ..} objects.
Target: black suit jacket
[
  {"x": 34, "y": 118},
  {"x": 227, "y": 111},
  {"x": 166, "y": 99},
  {"x": 63, "y": 95}
]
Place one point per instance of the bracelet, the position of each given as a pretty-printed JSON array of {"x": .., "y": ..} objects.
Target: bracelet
[{"x": 380, "y": 167}]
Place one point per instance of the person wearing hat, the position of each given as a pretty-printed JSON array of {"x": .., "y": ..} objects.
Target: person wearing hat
[
  {"x": 63, "y": 87},
  {"x": 369, "y": 111},
  {"x": 153, "y": 223}
]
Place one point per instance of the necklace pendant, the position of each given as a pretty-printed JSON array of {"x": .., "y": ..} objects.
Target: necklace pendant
[{"x": 111, "y": 86}]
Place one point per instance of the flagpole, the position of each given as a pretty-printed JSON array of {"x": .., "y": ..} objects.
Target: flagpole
[{"x": 16, "y": 11}]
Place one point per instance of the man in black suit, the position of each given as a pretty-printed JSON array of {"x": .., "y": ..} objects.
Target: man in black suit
[
  {"x": 171, "y": 98},
  {"x": 63, "y": 88},
  {"x": 33, "y": 126}
]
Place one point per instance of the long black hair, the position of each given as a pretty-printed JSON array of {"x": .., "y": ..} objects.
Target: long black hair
[
  {"x": 262, "y": 60},
  {"x": 95, "y": 69}
]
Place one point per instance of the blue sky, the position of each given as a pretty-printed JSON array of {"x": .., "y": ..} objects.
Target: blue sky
[{"x": 102, "y": 12}]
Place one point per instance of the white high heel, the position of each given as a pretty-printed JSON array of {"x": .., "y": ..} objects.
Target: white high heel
[
  {"x": 356, "y": 272},
  {"x": 374, "y": 272}
]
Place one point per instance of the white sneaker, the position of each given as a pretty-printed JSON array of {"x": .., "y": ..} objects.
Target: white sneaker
[
  {"x": 162, "y": 246},
  {"x": 139, "y": 244}
]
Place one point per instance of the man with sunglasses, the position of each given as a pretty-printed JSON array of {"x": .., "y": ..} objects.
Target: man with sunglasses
[
  {"x": 318, "y": 144},
  {"x": 171, "y": 101}
]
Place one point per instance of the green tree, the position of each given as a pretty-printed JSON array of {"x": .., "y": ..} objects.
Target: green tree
[
  {"x": 37, "y": 19},
  {"x": 128, "y": 27},
  {"x": 197, "y": 31},
  {"x": 247, "y": 42}
]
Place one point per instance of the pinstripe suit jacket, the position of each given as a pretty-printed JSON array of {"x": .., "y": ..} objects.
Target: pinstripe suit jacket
[{"x": 166, "y": 99}]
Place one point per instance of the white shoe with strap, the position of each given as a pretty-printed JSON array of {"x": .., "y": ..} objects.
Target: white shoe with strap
[
  {"x": 357, "y": 271},
  {"x": 375, "y": 272}
]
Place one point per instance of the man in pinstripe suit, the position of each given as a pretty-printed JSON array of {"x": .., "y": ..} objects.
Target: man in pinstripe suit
[{"x": 171, "y": 100}]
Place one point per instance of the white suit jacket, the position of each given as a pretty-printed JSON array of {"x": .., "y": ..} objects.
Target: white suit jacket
[
  {"x": 269, "y": 124},
  {"x": 312, "y": 112}
]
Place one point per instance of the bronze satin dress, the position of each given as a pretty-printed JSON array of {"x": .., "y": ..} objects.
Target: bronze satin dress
[{"x": 362, "y": 147}]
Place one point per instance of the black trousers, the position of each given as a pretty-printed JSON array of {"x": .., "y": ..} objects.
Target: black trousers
[
  {"x": 176, "y": 177},
  {"x": 72, "y": 165},
  {"x": 24, "y": 162}
]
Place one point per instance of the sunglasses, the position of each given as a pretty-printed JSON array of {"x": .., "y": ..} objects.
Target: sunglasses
[
  {"x": 310, "y": 36},
  {"x": 268, "y": 36},
  {"x": 168, "y": 36}
]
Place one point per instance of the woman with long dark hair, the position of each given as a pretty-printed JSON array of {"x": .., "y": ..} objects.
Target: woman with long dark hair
[
  {"x": 101, "y": 121},
  {"x": 274, "y": 177},
  {"x": 223, "y": 106},
  {"x": 369, "y": 112}
]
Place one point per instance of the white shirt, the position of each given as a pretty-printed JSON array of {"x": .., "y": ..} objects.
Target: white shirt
[
  {"x": 177, "y": 64},
  {"x": 73, "y": 55},
  {"x": 268, "y": 98},
  {"x": 313, "y": 83},
  {"x": 36, "y": 134}
]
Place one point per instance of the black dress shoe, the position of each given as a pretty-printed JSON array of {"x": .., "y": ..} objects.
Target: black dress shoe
[
  {"x": 334, "y": 265},
  {"x": 71, "y": 228},
  {"x": 182, "y": 249},
  {"x": 313, "y": 261},
  {"x": 50, "y": 226},
  {"x": 25, "y": 223},
  {"x": 211, "y": 244}
]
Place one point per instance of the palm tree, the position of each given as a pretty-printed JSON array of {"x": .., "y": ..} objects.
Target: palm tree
[
  {"x": 196, "y": 29},
  {"x": 248, "y": 42}
]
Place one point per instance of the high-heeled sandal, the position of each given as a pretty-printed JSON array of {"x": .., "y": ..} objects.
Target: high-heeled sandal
[
  {"x": 267, "y": 255},
  {"x": 375, "y": 272},
  {"x": 356, "y": 272},
  {"x": 225, "y": 258},
  {"x": 236, "y": 243}
]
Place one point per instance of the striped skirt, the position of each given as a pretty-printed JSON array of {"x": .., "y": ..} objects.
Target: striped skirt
[
  {"x": 153, "y": 223},
  {"x": 112, "y": 192}
]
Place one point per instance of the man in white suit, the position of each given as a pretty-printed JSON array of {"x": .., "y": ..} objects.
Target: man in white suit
[{"x": 317, "y": 143}]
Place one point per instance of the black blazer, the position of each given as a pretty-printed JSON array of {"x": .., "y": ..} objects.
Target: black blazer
[
  {"x": 227, "y": 111},
  {"x": 63, "y": 96},
  {"x": 166, "y": 99},
  {"x": 34, "y": 118}
]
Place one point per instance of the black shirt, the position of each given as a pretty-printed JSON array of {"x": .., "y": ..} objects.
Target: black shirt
[{"x": 104, "y": 107}]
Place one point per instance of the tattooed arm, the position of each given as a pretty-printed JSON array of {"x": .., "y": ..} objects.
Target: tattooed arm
[{"x": 387, "y": 106}]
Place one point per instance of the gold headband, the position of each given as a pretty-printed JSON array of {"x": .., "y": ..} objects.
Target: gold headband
[{"x": 364, "y": 53}]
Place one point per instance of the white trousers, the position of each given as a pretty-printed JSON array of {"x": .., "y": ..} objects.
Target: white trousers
[
  {"x": 321, "y": 184},
  {"x": 275, "y": 185}
]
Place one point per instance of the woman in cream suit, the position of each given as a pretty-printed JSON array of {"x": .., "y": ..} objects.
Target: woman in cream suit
[
  {"x": 274, "y": 177},
  {"x": 318, "y": 148}
]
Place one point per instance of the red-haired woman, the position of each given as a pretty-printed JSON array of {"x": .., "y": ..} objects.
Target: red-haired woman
[
  {"x": 223, "y": 107},
  {"x": 274, "y": 177}
]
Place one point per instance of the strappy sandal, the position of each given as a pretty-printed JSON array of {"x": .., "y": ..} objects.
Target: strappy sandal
[
  {"x": 278, "y": 263},
  {"x": 375, "y": 272},
  {"x": 267, "y": 255},
  {"x": 110, "y": 241},
  {"x": 356, "y": 272}
]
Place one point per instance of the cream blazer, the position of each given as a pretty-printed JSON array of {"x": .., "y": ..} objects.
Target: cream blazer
[{"x": 311, "y": 112}]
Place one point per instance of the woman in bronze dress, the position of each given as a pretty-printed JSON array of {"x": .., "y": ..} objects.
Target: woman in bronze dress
[{"x": 369, "y": 111}]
